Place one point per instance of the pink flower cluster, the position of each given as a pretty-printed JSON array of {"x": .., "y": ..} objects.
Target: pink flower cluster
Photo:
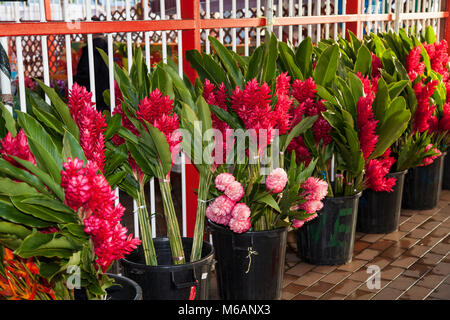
[
  {"x": 376, "y": 171},
  {"x": 423, "y": 117},
  {"x": 16, "y": 146},
  {"x": 224, "y": 209},
  {"x": 276, "y": 180},
  {"x": 89, "y": 193},
  {"x": 90, "y": 122},
  {"x": 413, "y": 63},
  {"x": 309, "y": 104},
  {"x": 429, "y": 160}
]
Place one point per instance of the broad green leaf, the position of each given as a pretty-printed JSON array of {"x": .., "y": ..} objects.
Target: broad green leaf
[
  {"x": 268, "y": 200},
  {"x": 326, "y": 66},
  {"x": 287, "y": 56},
  {"x": 363, "y": 61},
  {"x": 8, "y": 121},
  {"x": 269, "y": 62},
  {"x": 10, "y": 213},
  {"x": 14, "y": 229},
  {"x": 228, "y": 62},
  {"x": 71, "y": 148},
  {"x": 22, "y": 175},
  {"x": 46, "y": 245},
  {"x": 300, "y": 128},
  {"x": 49, "y": 120},
  {"x": 303, "y": 57},
  {"x": 14, "y": 188},
  {"x": 41, "y": 212}
]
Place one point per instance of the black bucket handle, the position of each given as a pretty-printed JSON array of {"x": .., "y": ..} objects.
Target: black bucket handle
[{"x": 183, "y": 285}]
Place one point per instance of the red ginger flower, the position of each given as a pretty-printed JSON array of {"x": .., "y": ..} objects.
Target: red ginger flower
[
  {"x": 284, "y": 103},
  {"x": 157, "y": 110},
  {"x": 303, "y": 90},
  {"x": 89, "y": 193},
  {"x": 366, "y": 122},
  {"x": 90, "y": 122},
  {"x": 438, "y": 58},
  {"x": 376, "y": 65},
  {"x": 444, "y": 122},
  {"x": 413, "y": 65},
  {"x": 376, "y": 170},
  {"x": 429, "y": 160},
  {"x": 17, "y": 146},
  {"x": 424, "y": 110}
]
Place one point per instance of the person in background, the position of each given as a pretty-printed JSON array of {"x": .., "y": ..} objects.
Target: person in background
[{"x": 101, "y": 70}]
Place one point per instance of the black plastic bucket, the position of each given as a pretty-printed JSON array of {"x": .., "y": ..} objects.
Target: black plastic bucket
[
  {"x": 446, "y": 175},
  {"x": 167, "y": 281},
  {"x": 379, "y": 212},
  {"x": 124, "y": 289},
  {"x": 329, "y": 238},
  {"x": 423, "y": 186},
  {"x": 250, "y": 265}
]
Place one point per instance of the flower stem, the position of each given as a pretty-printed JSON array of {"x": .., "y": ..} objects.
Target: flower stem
[
  {"x": 145, "y": 228},
  {"x": 203, "y": 194},
  {"x": 173, "y": 229}
]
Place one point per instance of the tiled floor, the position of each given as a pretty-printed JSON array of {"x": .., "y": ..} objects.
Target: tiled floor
[{"x": 414, "y": 263}]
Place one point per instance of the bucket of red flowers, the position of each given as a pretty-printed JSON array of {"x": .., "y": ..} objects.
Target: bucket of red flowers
[{"x": 60, "y": 224}]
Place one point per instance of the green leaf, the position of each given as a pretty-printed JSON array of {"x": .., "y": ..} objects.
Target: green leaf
[
  {"x": 228, "y": 62},
  {"x": 269, "y": 62},
  {"x": 115, "y": 178},
  {"x": 300, "y": 128},
  {"x": 162, "y": 148},
  {"x": 9, "y": 122},
  {"x": 14, "y": 188},
  {"x": 287, "y": 56},
  {"x": 14, "y": 229},
  {"x": 254, "y": 64},
  {"x": 10, "y": 213},
  {"x": 303, "y": 57},
  {"x": 363, "y": 62},
  {"x": 430, "y": 36},
  {"x": 327, "y": 65},
  {"x": 269, "y": 200},
  {"x": 61, "y": 109},
  {"x": 46, "y": 245},
  {"x": 71, "y": 148},
  {"x": 114, "y": 123},
  {"x": 49, "y": 120},
  {"x": 397, "y": 88},
  {"x": 381, "y": 101}
]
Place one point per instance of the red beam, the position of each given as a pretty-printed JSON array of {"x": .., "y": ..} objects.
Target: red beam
[
  {"x": 232, "y": 23},
  {"x": 60, "y": 27},
  {"x": 447, "y": 26},
  {"x": 354, "y": 8},
  {"x": 48, "y": 10},
  {"x": 190, "y": 9}
]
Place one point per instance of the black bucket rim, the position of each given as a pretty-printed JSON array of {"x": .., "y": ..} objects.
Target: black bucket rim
[
  {"x": 133, "y": 283},
  {"x": 225, "y": 229},
  {"x": 356, "y": 195},
  {"x": 172, "y": 267},
  {"x": 397, "y": 173}
]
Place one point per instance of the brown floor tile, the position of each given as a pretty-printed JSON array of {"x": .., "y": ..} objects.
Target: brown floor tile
[
  {"x": 303, "y": 297},
  {"x": 286, "y": 295},
  {"x": 365, "y": 286},
  {"x": 360, "y": 246},
  {"x": 408, "y": 212},
  {"x": 431, "y": 281},
  {"x": 390, "y": 273},
  {"x": 346, "y": 287},
  {"x": 440, "y": 232},
  {"x": 402, "y": 283},
  {"x": 430, "y": 259},
  {"x": 418, "y": 233},
  {"x": 403, "y": 219},
  {"x": 294, "y": 288},
  {"x": 417, "y": 251},
  {"x": 442, "y": 292},
  {"x": 332, "y": 296},
  {"x": 381, "y": 245},
  {"x": 360, "y": 275},
  {"x": 440, "y": 216},
  {"x": 417, "y": 270},
  {"x": 324, "y": 269},
  {"x": 300, "y": 269},
  {"x": 380, "y": 262},
  {"x": 388, "y": 294},
  {"x": 372, "y": 237},
  {"x": 318, "y": 289},
  {"x": 442, "y": 268},
  {"x": 429, "y": 241},
  {"x": 368, "y": 254},
  {"x": 336, "y": 276},
  {"x": 393, "y": 252},
  {"x": 407, "y": 243},
  {"x": 415, "y": 293},
  {"x": 395, "y": 236},
  {"x": 360, "y": 295},
  {"x": 352, "y": 266},
  {"x": 288, "y": 278},
  {"x": 408, "y": 226},
  {"x": 359, "y": 235},
  {"x": 418, "y": 218},
  {"x": 441, "y": 248},
  {"x": 308, "y": 278},
  {"x": 404, "y": 261},
  {"x": 430, "y": 225}
]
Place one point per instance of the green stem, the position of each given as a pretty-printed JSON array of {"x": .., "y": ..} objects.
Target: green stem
[
  {"x": 145, "y": 228},
  {"x": 173, "y": 229},
  {"x": 203, "y": 194}
]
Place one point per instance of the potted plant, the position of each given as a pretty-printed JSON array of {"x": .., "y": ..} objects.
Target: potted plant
[
  {"x": 256, "y": 200},
  {"x": 60, "y": 226},
  {"x": 151, "y": 136},
  {"x": 425, "y": 137}
]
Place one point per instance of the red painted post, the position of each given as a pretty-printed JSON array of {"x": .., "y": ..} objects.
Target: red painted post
[
  {"x": 447, "y": 25},
  {"x": 354, "y": 7},
  {"x": 190, "y": 9}
]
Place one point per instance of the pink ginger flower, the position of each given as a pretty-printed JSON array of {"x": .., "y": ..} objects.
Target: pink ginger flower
[
  {"x": 311, "y": 206},
  {"x": 223, "y": 180},
  {"x": 158, "y": 111},
  {"x": 425, "y": 110},
  {"x": 315, "y": 189},
  {"x": 219, "y": 211},
  {"x": 311, "y": 217},
  {"x": 89, "y": 193},
  {"x": 276, "y": 180},
  {"x": 303, "y": 90},
  {"x": 413, "y": 65},
  {"x": 429, "y": 160},
  {"x": 297, "y": 223},
  {"x": 17, "y": 147},
  {"x": 367, "y": 125},
  {"x": 91, "y": 124},
  {"x": 234, "y": 191},
  {"x": 376, "y": 65}
]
